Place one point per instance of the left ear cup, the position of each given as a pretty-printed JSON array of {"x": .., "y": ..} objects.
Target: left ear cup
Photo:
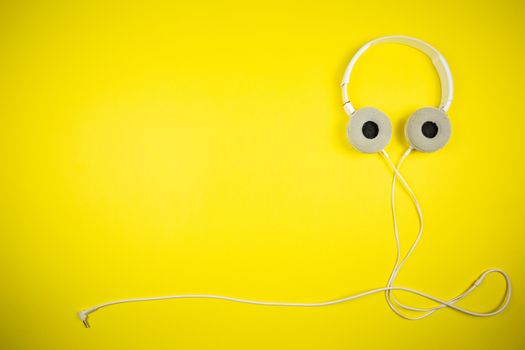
[
  {"x": 428, "y": 129},
  {"x": 369, "y": 130}
]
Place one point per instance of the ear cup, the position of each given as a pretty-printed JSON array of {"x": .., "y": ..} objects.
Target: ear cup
[
  {"x": 428, "y": 129},
  {"x": 369, "y": 130}
]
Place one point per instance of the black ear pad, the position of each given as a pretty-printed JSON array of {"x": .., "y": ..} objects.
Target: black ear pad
[
  {"x": 428, "y": 129},
  {"x": 369, "y": 130}
]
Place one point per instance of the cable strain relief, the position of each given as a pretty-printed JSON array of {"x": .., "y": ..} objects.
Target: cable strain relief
[{"x": 83, "y": 317}]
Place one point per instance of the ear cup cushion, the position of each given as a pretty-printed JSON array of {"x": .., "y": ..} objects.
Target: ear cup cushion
[
  {"x": 369, "y": 130},
  {"x": 428, "y": 129}
]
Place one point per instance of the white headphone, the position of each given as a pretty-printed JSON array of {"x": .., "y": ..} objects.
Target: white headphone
[
  {"x": 427, "y": 130},
  {"x": 369, "y": 131}
]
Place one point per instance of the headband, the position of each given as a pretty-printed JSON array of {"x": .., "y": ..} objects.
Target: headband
[{"x": 439, "y": 62}]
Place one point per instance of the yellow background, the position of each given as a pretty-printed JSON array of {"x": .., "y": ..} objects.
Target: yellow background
[{"x": 157, "y": 148}]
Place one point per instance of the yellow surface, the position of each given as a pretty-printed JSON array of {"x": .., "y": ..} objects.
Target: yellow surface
[{"x": 157, "y": 148}]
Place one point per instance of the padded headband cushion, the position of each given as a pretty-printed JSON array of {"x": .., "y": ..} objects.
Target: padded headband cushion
[
  {"x": 428, "y": 129},
  {"x": 369, "y": 130}
]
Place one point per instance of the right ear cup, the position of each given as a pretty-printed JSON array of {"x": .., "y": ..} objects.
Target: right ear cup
[
  {"x": 428, "y": 129},
  {"x": 369, "y": 130}
]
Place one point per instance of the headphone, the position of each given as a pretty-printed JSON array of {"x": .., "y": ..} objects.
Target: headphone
[
  {"x": 369, "y": 130},
  {"x": 428, "y": 129}
]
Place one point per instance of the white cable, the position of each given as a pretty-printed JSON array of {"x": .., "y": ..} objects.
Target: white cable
[
  {"x": 392, "y": 302},
  {"x": 84, "y": 314}
]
